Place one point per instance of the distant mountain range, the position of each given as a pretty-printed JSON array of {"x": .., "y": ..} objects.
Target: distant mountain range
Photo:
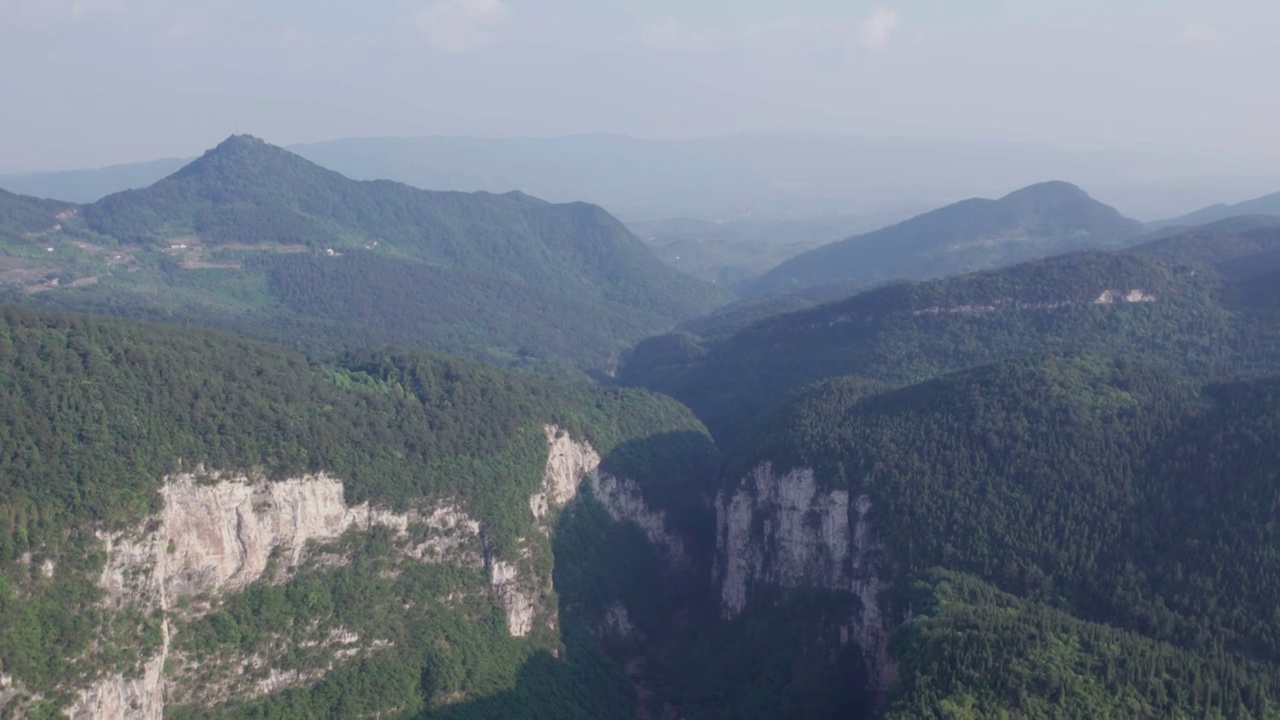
[
  {"x": 773, "y": 176},
  {"x": 1037, "y": 221},
  {"x": 92, "y": 184},
  {"x": 1265, "y": 205},
  {"x": 255, "y": 238},
  {"x": 763, "y": 175},
  {"x": 725, "y": 208}
]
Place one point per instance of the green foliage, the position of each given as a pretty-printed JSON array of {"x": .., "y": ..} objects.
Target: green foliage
[
  {"x": 1240, "y": 247},
  {"x": 1115, "y": 491},
  {"x": 909, "y": 332},
  {"x": 21, "y": 217},
  {"x": 426, "y": 649},
  {"x": 94, "y": 413},
  {"x": 974, "y": 652}
]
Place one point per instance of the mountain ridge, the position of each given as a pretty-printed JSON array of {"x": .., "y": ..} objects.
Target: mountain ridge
[
  {"x": 1118, "y": 302},
  {"x": 1264, "y": 205},
  {"x": 1035, "y": 221}
]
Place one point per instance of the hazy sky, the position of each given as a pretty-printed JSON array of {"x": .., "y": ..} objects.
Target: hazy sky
[{"x": 92, "y": 82}]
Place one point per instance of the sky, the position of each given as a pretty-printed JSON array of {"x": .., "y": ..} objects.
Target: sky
[{"x": 95, "y": 82}]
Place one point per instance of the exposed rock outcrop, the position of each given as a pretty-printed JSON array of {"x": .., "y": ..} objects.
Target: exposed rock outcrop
[
  {"x": 219, "y": 534},
  {"x": 571, "y": 466},
  {"x": 783, "y": 531},
  {"x": 222, "y": 534},
  {"x": 518, "y": 593},
  {"x": 1111, "y": 297},
  {"x": 218, "y": 537}
]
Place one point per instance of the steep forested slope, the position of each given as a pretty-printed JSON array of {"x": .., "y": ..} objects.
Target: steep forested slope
[
  {"x": 1119, "y": 304},
  {"x": 1037, "y": 221},
  {"x": 1129, "y": 510},
  {"x": 254, "y": 238},
  {"x": 26, "y": 218},
  {"x": 1238, "y": 247},
  {"x": 110, "y": 431},
  {"x": 972, "y": 651}
]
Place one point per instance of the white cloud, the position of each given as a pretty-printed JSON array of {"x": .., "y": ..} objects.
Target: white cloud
[
  {"x": 460, "y": 25},
  {"x": 874, "y": 33},
  {"x": 671, "y": 34}
]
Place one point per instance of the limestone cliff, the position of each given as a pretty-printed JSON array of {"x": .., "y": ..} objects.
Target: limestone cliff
[
  {"x": 783, "y": 531},
  {"x": 572, "y": 465},
  {"x": 217, "y": 534}
]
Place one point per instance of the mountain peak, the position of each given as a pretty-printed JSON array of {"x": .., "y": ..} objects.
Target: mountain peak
[
  {"x": 1053, "y": 191},
  {"x": 245, "y": 160},
  {"x": 240, "y": 147},
  {"x": 238, "y": 143}
]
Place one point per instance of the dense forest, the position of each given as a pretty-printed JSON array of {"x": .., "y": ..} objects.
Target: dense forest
[
  {"x": 97, "y": 412},
  {"x": 1129, "y": 509},
  {"x": 908, "y": 332},
  {"x": 974, "y": 652},
  {"x": 1071, "y": 466}
]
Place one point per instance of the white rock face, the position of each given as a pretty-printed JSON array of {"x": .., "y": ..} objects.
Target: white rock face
[
  {"x": 782, "y": 531},
  {"x": 117, "y": 697},
  {"x": 568, "y": 462},
  {"x": 1111, "y": 297},
  {"x": 517, "y": 594},
  {"x": 621, "y": 498},
  {"x": 572, "y": 464},
  {"x": 219, "y": 537}
]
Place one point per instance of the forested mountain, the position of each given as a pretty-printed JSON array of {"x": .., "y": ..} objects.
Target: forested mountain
[
  {"x": 1044, "y": 490},
  {"x": 254, "y": 238},
  {"x": 26, "y": 218},
  {"x": 1238, "y": 247},
  {"x": 1265, "y": 205},
  {"x": 208, "y": 526},
  {"x": 1052, "y": 536},
  {"x": 1037, "y": 221},
  {"x": 1123, "y": 304}
]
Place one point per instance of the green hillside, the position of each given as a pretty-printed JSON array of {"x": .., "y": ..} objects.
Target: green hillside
[
  {"x": 1129, "y": 509},
  {"x": 974, "y": 652},
  {"x": 1037, "y": 221},
  {"x": 908, "y": 332},
  {"x": 96, "y": 412},
  {"x": 26, "y": 219},
  {"x": 253, "y": 238},
  {"x": 1238, "y": 247}
]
